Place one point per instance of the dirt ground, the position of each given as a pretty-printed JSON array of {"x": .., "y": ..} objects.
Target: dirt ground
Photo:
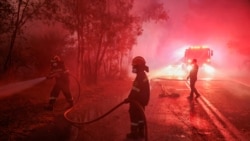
[{"x": 23, "y": 118}]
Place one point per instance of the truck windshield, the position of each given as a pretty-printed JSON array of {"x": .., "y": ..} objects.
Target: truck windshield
[{"x": 199, "y": 54}]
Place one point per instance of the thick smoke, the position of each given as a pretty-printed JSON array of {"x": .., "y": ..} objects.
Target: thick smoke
[{"x": 219, "y": 24}]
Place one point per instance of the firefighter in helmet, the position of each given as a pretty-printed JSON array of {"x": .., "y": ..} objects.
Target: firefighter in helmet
[
  {"x": 61, "y": 75},
  {"x": 193, "y": 78},
  {"x": 139, "y": 93}
]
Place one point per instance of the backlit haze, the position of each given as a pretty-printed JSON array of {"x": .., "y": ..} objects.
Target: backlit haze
[{"x": 222, "y": 25}]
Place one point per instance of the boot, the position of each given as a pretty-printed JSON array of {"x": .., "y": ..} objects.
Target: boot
[
  {"x": 141, "y": 131},
  {"x": 50, "y": 106},
  {"x": 133, "y": 134}
]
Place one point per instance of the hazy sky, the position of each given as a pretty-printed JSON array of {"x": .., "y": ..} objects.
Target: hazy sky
[{"x": 194, "y": 22}]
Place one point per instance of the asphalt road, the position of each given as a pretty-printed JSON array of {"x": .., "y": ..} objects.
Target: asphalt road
[{"x": 220, "y": 114}]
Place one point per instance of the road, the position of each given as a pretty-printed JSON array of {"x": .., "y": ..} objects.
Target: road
[
  {"x": 229, "y": 101},
  {"x": 220, "y": 114}
]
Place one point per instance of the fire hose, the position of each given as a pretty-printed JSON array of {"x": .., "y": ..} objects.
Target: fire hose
[
  {"x": 79, "y": 88},
  {"x": 79, "y": 124}
]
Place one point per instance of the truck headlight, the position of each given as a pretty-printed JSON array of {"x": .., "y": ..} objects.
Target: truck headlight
[{"x": 209, "y": 69}]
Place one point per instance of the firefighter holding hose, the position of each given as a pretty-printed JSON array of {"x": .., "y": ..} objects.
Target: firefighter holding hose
[
  {"x": 139, "y": 93},
  {"x": 61, "y": 76}
]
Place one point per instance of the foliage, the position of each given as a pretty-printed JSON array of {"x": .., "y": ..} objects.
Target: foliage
[
  {"x": 22, "y": 11},
  {"x": 104, "y": 33},
  {"x": 45, "y": 46},
  {"x": 155, "y": 12},
  {"x": 6, "y": 13},
  {"x": 100, "y": 26}
]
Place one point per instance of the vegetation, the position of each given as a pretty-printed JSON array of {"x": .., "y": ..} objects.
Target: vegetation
[{"x": 95, "y": 37}]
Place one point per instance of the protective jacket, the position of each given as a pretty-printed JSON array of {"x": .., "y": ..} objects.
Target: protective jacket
[
  {"x": 193, "y": 72},
  {"x": 61, "y": 76},
  {"x": 59, "y": 72},
  {"x": 140, "y": 91}
]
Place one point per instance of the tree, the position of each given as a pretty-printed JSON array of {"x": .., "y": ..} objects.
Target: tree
[
  {"x": 114, "y": 27},
  {"x": 6, "y": 11},
  {"x": 155, "y": 11},
  {"x": 105, "y": 31},
  {"x": 24, "y": 11},
  {"x": 93, "y": 22},
  {"x": 73, "y": 14}
]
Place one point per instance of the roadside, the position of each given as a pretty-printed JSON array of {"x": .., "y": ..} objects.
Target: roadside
[
  {"x": 23, "y": 117},
  {"x": 169, "y": 117}
]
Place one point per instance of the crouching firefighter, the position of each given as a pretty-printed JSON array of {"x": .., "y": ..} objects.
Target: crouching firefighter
[
  {"x": 61, "y": 75},
  {"x": 139, "y": 93}
]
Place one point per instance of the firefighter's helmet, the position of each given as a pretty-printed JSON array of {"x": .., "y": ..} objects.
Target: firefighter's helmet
[
  {"x": 194, "y": 61},
  {"x": 56, "y": 58},
  {"x": 54, "y": 61},
  {"x": 138, "y": 61}
]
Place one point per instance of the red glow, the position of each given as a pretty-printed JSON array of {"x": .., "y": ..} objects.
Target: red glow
[{"x": 220, "y": 25}]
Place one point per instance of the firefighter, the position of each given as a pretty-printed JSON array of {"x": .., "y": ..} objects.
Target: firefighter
[
  {"x": 61, "y": 75},
  {"x": 140, "y": 93},
  {"x": 193, "y": 78}
]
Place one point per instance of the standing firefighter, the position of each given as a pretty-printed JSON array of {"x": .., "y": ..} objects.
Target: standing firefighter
[
  {"x": 193, "y": 78},
  {"x": 139, "y": 93},
  {"x": 61, "y": 75}
]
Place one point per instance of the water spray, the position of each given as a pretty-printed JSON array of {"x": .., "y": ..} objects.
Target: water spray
[{"x": 13, "y": 88}]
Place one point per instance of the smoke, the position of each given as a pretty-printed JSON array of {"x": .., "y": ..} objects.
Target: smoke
[{"x": 219, "y": 24}]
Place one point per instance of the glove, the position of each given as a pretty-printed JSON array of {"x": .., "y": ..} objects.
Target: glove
[{"x": 53, "y": 75}]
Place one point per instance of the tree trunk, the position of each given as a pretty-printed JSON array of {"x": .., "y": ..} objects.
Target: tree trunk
[{"x": 8, "y": 61}]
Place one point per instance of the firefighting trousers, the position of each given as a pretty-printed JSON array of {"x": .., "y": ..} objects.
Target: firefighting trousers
[
  {"x": 61, "y": 87},
  {"x": 136, "y": 116},
  {"x": 192, "y": 87}
]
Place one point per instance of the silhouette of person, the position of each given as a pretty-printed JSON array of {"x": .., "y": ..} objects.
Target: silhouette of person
[
  {"x": 140, "y": 93},
  {"x": 193, "y": 78},
  {"x": 61, "y": 75}
]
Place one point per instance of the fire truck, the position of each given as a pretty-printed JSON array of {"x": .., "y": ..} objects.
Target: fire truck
[{"x": 203, "y": 55}]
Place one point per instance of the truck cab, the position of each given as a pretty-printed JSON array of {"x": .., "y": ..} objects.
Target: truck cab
[{"x": 202, "y": 54}]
